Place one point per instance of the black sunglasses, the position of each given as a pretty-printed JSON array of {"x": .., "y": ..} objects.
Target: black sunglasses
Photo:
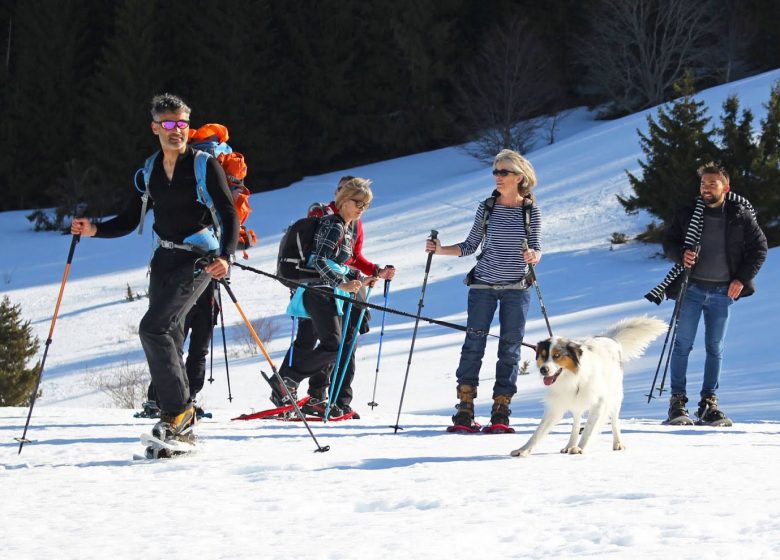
[{"x": 503, "y": 172}]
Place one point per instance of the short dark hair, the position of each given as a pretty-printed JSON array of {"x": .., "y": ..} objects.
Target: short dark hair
[
  {"x": 712, "y": 168},
  {"x": 346, "y": 178},
  {"x": 167, "y": 103}
]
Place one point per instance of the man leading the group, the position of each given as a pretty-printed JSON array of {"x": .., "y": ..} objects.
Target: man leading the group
[
  {"x": 176, "y": 280},
  {"x": 733, "y": 248}
]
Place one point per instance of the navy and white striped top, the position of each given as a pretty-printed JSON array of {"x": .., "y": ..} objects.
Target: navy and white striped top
[{"x": 502, "y": 260}]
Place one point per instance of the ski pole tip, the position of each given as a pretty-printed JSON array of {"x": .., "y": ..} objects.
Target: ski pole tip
[{"x": 322, "y": 449}]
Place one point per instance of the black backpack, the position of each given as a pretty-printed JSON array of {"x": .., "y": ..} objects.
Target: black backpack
[{"x": 294, "y": 250}]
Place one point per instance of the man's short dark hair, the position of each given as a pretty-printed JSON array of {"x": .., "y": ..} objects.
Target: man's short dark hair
[
  {"x": 167, "y": 103},
  {"x": 712, "y": 168},
  {"x": 346, "y": 178}
]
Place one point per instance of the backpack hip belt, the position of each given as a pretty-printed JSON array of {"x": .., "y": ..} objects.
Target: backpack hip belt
[{"x": 523, "y": 284}]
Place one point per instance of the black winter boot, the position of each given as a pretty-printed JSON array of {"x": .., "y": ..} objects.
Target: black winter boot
[
  {"x": 465, "y": 415},
  {"x": 709, "y": 414},
  {"x": 678, "y": 414},
  {"x": 279, "y": 395}
]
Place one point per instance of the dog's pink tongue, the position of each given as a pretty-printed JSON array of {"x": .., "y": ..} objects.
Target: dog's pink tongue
[{"x": 550, "y": 380}]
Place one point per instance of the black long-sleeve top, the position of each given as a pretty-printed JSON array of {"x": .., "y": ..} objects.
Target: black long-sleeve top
[{"x": 177, "y": 212}]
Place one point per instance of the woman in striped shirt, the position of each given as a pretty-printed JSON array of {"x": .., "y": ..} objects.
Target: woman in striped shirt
[{"x": 500, "y": 275}]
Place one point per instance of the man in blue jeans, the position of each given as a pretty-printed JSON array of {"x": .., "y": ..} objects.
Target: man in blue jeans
[{"x": 733, "y": 248}]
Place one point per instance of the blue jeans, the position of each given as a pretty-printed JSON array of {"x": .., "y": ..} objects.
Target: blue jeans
[
  {"x": 511, "y": 315},
  {"x": 714, "y": 304}
]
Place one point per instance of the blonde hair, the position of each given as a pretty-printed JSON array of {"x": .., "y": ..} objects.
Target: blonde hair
[
  {"x": 522, "y": 167},
  {"x": 355, "y": 187}
]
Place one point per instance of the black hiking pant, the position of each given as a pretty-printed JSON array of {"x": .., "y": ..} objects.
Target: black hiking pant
[
  {"x": 317, "y": 362},
  {"x": 199, "y": 326},
  {"x": 173, "y": 290}
]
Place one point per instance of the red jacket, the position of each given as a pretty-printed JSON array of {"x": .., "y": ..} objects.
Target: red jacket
[{"x": 357, "y": 261}]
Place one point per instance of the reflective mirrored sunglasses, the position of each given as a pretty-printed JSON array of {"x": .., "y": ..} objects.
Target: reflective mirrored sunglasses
[
  {"x": 170, "y": 125},
  {"x": 503, "y": 172}
]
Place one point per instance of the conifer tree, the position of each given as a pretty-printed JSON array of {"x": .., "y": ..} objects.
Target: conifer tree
[
  {"x": 43, "y": 94},
  {"x": 765, "y": 194},
  {"x": 677, "y": 143},
  {"x": 17, "y": 346},
  {"x": 117, "y": 138},
  {"x": 737, "y": 149}
]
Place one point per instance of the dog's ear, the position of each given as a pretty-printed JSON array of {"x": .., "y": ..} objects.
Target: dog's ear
[
  {"x": 543, "y": 350},
  {"x": 575, "y": 351}
]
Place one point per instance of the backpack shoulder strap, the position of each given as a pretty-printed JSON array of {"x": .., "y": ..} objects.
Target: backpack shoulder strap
[
  {"x": 146, "y": 173},
  {"x": 487, "y": 208},
  {"x": 202, "y": 192}
]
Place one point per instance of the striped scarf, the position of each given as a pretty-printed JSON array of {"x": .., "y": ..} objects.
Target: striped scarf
[{"x": 692, "y": 238}]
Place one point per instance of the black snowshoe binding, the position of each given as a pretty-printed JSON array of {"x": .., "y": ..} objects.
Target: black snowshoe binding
[
  {"x": 148, "y": 410},
  {"x": 278, "y": 394},
  {"x": 678, "y": 414},
  {"x": 709, "y": 414}
]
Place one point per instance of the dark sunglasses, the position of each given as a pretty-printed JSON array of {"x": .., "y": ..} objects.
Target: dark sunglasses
[
  {"x": 170, "y": 125},
  {"x": 502, "y": 172},
  {"x": 361, "y": 204}
]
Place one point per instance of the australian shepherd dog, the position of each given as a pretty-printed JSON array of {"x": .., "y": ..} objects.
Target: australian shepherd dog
[{"x": 587, "y": 375}]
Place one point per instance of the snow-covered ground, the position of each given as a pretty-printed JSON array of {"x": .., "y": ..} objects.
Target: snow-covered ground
[{"x": 257, "y": 490}]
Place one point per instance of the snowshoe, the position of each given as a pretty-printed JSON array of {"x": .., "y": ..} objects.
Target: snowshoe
[
  {"x": 470, "y": 428},
  {"x": 149, "y": 410},
  {"x": 678, "y": 414},
  {"x": 499, "y": 418},
  {"x": 709, "y": 414},
  {"x": 279, "y": 412}
]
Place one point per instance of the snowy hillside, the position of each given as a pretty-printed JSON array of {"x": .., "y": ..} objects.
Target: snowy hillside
[{"x": 256, "y": 490}]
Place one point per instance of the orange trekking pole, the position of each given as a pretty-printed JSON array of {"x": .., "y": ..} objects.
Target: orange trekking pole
[
  {"x": 79, "y": 213},
  {"x": 320, "y": 449}
]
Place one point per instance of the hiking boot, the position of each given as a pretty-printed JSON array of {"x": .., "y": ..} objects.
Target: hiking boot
[
  {"x": 465, "y": 408},
  {"x": 346, "y": 409},
  {"x": 678, "y": 414},
  {"x": 178, "y": 426},
  {"x": 709, "y": 413},
  {"x": 316, "y": 407},
  {"x": 279, "y": 395},
  {"x": 500, "y": 412}
]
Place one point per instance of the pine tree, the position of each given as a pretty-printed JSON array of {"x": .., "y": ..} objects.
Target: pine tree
[
  {"x": 17, "y": 346},
  {"x": 677, "y": 144},
  {"x": 117, "y": 137},
  {"x": 44, "y": 88},
  {"x": 737, "y": 150},
  {"x": 765, "y": 192}
]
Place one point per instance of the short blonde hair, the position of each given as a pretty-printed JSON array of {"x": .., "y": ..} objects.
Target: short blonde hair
[
  {"x": 519, "y": 165},
  {"x": 356, "y": 188}
]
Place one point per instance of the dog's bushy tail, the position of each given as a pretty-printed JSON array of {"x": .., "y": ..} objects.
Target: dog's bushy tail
[{"x": 634, "y": 334}]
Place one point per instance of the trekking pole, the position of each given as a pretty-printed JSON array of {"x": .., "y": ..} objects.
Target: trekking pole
[
  {"x": 213, "y": 321},
  {"x": 672, "y": 330},
  {"x": 434, "y": 235},
  {"x": 333, "y": 395},
  {"x": 335, "y": 370},
  {"x": 532, "y": 274},
  {"x": 331, "y": 295},
  {"x": 373, "y": 402},
  {"x": 320, "y": 449},
  {"x": 79, "y": 213},
  {"x": 292, "y": 341},
  {"x": 224, "y": 342}
]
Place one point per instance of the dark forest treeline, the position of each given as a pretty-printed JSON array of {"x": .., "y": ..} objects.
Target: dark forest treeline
[{"x": 309, "y": 86}]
